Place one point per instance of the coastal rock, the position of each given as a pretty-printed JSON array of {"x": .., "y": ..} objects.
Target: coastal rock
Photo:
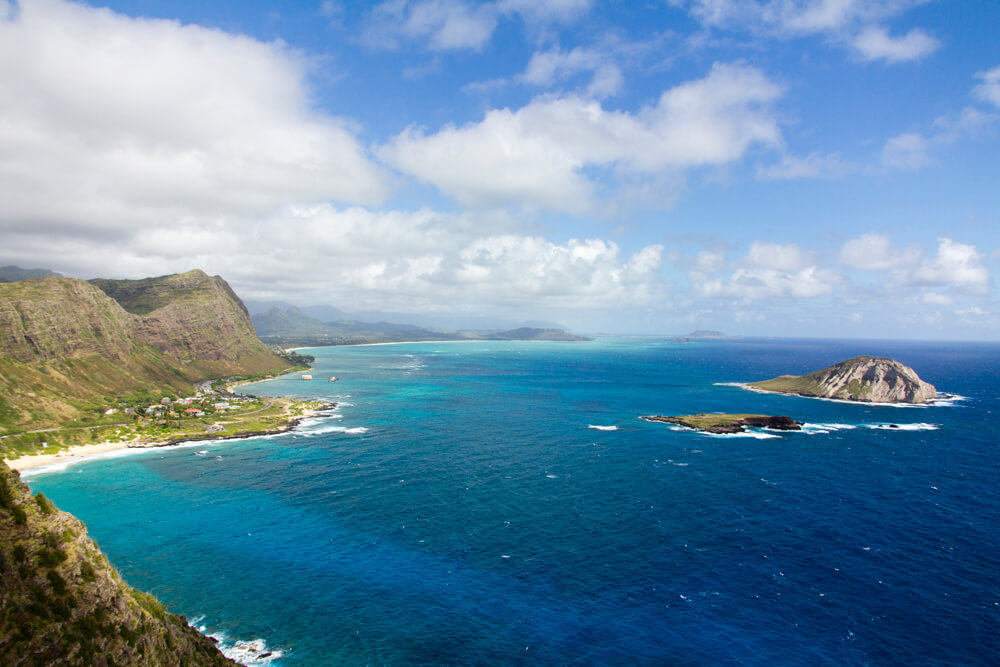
[
  {"x": 62, "y": 603},
  {"x": 864, "y": 378},
  {"x": 728, "y": 423}
]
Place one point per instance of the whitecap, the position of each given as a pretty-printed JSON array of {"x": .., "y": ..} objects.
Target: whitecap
[
  {"x": 598, "y": 427},
  {"x": 759, "y": 435},
  {"x": 920, "y": 426}
]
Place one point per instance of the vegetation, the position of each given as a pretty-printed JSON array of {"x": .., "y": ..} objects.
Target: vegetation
[
  {"x": 72, "y": 353},
  {"x": 62, "y": 603}
]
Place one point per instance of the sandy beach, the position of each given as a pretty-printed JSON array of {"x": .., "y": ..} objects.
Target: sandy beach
[{"x": 75, "y": 453}]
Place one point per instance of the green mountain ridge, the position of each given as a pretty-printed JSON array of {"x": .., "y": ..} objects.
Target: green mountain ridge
[{"x": 68, "y": 348}]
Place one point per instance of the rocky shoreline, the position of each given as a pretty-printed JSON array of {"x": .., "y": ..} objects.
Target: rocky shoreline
[{"x": 721, "y": 424}]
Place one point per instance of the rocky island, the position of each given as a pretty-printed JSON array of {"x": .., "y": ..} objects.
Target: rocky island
[
  {"x": 864, "y": 379},
  {"x": 723, "y": 423}
]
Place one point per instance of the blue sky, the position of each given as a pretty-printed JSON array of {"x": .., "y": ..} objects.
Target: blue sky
[{"x": 763, "y": 167}]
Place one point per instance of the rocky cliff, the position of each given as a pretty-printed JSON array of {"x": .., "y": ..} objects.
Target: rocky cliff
[
  {"x": 864, "y": 378},
  {"x": 196, "y": 321},
  {"x": 62, "y": 603},
  {"x": 68, "y": 347}
]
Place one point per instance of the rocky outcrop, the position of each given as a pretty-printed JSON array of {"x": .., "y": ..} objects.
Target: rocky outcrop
[
  {"x": 62, "y": 603},
  {"x": 866, "y": 379},
  {"x": 723, "y": 423}
]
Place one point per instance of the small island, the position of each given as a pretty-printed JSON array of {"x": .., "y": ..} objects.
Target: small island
[
  {"x": 723, "y": 423},
  {"x": 864, "y": 379}
]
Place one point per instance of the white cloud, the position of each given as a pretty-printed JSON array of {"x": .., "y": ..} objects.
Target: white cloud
[
  {"x": 989, "y": 89},
  {"x": 754, "y": 284},
  {"x": 955, "y": 265},
  {"x": 539, "y": 154},
  {"x": 875, "y": 43},
  {"x": 937, "y": 299},
  {"x": 909, "y": 151},
  {"x": 441, "y": 24},
  {"x": 768, "y": 271},
  {"x": 851, "y": 23},
  {"x": 450, "y": 25},
  {"x": 778, "y": 256},
  {"x": 547, "y": 67},
  {"x": 875, "y": 252},
  {"x": 814, "y": 165},
  {"x": 114, "y": 123}
]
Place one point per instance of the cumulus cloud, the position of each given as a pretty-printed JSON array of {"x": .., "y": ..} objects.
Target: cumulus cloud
[
  {"x": 115, "y": 123},
  {"x": 956, "y": 265},
  {"x": 989, "y": 89},
  {"x": 937, "y": 299},
  {"x": 753, "y": 284},
  {"x": 908, "y": 151},
  {"x": 540, "y": 155},
  {"x": 547, "y": 67},
  {"x": 767, "y": 271},
  {"x": 852, "y": 23},
  {"x": 875, "y": 252},
  {"x": 875, "y": 43}
]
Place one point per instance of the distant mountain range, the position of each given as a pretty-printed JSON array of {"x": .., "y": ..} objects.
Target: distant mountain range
[
  {"x": 454, "y": 322},
  {"x": 11, "y": 273},
  {"x": 280, "y": 324}
]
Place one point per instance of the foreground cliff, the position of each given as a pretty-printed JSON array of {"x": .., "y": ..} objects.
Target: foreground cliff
[
  {"x": 62, "y": 603},
  {"x": 68, "y": 348},
  {"x": 866, "y": 379}
]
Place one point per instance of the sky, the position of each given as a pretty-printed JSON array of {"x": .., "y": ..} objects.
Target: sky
[{"x": 821, "y": 168}]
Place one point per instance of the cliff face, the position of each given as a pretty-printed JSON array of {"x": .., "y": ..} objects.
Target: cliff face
[
  {"x": 61, "y": 602},
  {"x": 66, "y": 346},
  {"x": 864, "y": 378},
  {"x": 196, "y": 321},
  {"x": 54, "y": 318}
]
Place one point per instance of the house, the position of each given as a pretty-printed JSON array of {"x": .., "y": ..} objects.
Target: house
[
  {"x": 111, "y": 411},
  {"x": 193, "y": 412}
]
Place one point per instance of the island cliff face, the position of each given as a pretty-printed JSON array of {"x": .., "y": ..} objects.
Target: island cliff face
[
  {"x": 865, "y": 379},
  {"x": 62, "y": 603}
]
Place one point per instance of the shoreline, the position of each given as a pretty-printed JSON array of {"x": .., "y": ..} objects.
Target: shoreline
[
  {"x": 394, "y": 342},
  {"x": 79, "y": 453}
]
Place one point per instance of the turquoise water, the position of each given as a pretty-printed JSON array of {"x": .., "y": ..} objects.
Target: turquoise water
[{"x": 497, "y": 503}]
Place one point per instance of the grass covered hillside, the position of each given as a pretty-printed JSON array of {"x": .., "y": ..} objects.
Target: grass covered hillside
[
  {"x": 69, "y": 351},
  {"x": 62, "y": 603}
]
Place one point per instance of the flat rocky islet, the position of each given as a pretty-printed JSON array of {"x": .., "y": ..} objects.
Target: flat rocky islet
[
  {"x": 863, "y": 379},
  {"x": 728, "y": 423}
]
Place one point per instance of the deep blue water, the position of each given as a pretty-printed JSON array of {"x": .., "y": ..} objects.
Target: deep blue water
[{"x": 459, "y": 509}]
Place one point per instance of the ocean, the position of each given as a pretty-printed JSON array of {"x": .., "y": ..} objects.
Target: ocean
[{"x": 498, "y": 503}]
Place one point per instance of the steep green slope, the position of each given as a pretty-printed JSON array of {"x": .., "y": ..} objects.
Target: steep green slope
[
  {"x": 68, "y": 350},
  {"x": 62, "y": 603}
]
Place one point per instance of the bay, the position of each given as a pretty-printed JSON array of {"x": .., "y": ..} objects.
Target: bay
[{"x": 501, "y": 502}]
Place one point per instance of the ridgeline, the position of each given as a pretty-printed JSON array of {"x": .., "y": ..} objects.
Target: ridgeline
[{"x": 70, "y": 349}]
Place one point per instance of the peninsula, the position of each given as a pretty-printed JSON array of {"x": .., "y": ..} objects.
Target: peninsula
[
  {"x": 865, "y": 379},
  {"x": 728, "y": 423}
]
